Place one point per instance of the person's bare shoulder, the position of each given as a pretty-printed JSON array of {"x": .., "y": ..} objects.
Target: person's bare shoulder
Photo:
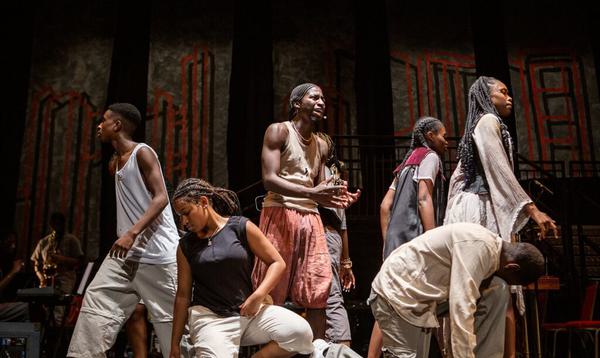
[
  {"x": 322, "y": 145},
  {"x": 144, "y": 150},
  {"x": 146, "y": 155},
  {"x": 276, "y": 134}
]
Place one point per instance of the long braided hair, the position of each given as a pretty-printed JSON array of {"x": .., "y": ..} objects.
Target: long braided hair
[
  {"x": 332, "y": 162},
  {"x": 418, "y": 140},
  {"x": 332, "y": 158},
  {"x": 480, "y": 103},
  {"x": 224, "y": 201}
]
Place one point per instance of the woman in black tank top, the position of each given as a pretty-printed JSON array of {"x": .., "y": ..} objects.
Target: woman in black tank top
[{"x": 214, "y": 264}]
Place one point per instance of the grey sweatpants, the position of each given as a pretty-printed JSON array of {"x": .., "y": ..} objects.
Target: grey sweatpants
[{"x": 338, "y": 326}]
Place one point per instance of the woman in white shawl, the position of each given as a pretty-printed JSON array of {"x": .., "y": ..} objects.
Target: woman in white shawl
[{"x": 483, "y": 188}]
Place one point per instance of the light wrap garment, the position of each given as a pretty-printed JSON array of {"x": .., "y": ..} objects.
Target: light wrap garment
[
  {"x": 446, "y": 263},
  {"x": 501, "y": 208}
]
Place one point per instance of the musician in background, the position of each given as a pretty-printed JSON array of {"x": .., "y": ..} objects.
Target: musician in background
[{"x": 56, "y": 259}]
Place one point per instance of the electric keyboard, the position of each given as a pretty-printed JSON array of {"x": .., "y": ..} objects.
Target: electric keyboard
[{"x": 42, "y": 295}]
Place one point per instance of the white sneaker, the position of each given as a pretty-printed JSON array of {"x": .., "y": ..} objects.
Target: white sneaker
[{"x": 320, "y": 347}]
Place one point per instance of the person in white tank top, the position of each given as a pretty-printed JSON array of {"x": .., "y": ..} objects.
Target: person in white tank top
[{"x": 142, "y": 261}]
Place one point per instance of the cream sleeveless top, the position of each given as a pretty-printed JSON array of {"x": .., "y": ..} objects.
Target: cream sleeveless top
[{"x": 299, "y": 164}]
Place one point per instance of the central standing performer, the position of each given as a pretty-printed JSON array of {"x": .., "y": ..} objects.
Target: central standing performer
[{"x": 293, "y": 160}]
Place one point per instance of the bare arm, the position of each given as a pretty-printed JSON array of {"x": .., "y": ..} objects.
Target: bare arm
[
  {"x": 182, "y": 301},
  {"x": 150, "y": 170},
  {"x": 266, "y": 252},
  {"x": 345, "y": 247},
  {"x": 39, "y": 274},
  {"x": 275, "y": 136},
  {"x": 346, "y": 274},
  {"x": 425, "y": 202},
  {"x": 384, "y": 211},
  {"x": 36, "y": 260}
]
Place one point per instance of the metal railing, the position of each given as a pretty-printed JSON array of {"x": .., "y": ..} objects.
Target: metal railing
[
  {"x": 370, "y": 161},
  {"x": 378, "y": 156},
  {"x": 540, "y": 169},
  {"x": 584, "y": 168}
]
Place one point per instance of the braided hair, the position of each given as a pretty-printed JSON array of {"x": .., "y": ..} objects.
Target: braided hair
[
  {"x": 296, "y": 96},
  {"x": 480, "y": 103},
  {"x": 332, "y": 161},
  {"x": 224, "y": 201},
  {"x": 332, "y": 158},
  {"x": 421, "y": 128}
]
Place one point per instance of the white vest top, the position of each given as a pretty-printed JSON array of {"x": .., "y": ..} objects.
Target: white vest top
[{"x": 157, "y": 244}]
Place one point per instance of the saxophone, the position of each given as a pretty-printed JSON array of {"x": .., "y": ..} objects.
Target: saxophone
[{"x": 50, "y": 267}]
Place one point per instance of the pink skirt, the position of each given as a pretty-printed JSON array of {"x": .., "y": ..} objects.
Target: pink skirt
[{"x": 300, "y": 239}]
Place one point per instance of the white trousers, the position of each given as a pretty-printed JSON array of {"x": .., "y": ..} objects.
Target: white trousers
[
  {"x": 216, "y": 336},
  {"x": 111, "y": 298}
]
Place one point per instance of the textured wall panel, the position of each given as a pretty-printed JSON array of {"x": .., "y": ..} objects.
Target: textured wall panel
[
  {"x": 188, "y": 88},
  {"x": 316, "y": 44},
  {"x": 432, "y": 63},
  {"x": 553, "y": 83},
  {"x": 60, "y": 163}
]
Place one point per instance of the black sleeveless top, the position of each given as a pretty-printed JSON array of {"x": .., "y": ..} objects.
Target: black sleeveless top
[{"x": 221, "y": 271}]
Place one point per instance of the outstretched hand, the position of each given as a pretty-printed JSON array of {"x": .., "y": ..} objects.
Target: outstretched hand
[
  {"x": 336, "y": 196},
  {"x": 352, "y": 197},
  {"x": 328, "y": 195}
]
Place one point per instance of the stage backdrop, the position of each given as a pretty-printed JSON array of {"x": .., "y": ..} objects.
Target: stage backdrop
[
  {"x": 432, "y": 63},
  {"x": 60, "y": 163},
  {"x": 316, "y": 45},
  {"x": 188, "y": 88},
  {"x": 554, "y": 82}
]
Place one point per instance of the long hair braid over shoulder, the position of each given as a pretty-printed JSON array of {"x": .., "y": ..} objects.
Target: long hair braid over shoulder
[
  {"x": 332, "y": 158},
  {"x": 480, "y": 103},
  {"x": 224, "y": 201}
]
